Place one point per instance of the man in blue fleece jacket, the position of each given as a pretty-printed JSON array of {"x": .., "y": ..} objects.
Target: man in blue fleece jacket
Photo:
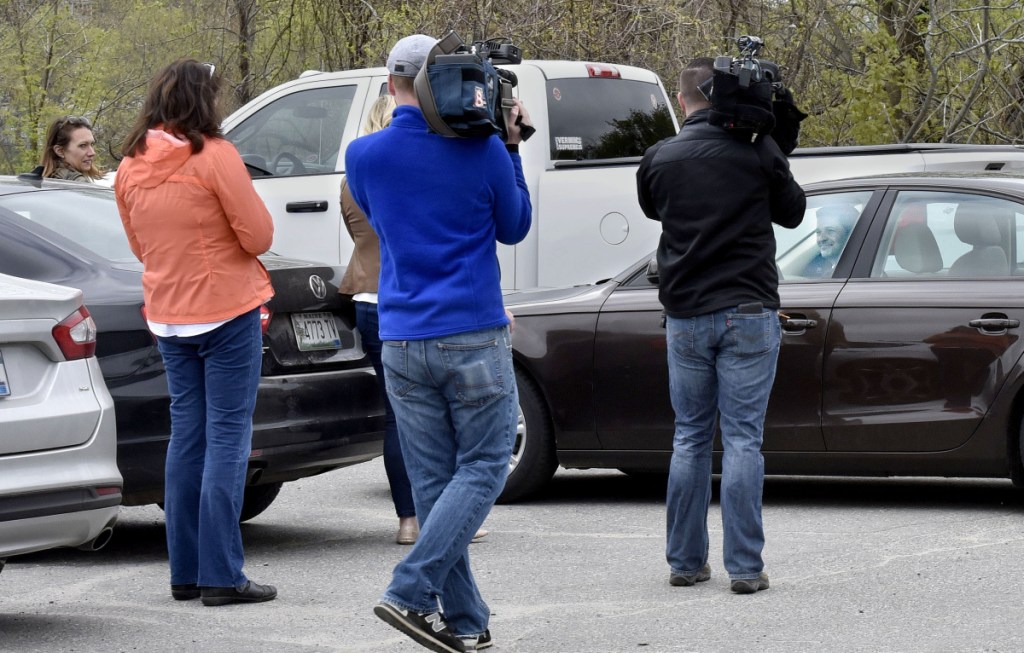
[{"x": 440, "y": 206}]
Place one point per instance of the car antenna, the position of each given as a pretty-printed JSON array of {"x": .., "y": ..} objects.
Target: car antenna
[{"x": 35, "y": 176}]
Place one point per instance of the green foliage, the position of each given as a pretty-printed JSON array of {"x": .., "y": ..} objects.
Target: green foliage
[{"x": 872, "y": 71}]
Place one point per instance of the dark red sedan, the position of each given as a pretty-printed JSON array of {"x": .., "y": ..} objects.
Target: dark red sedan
[{"x": 901, "y": 356}]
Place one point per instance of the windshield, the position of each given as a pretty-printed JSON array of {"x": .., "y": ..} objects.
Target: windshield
[
  {"x": 299, "y": 134},
  {"x": 594, "y": 118},
  {"x": 86, "y": 216}
]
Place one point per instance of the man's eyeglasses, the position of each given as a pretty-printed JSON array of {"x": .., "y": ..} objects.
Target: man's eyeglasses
[{"x": 213, "y": 68}]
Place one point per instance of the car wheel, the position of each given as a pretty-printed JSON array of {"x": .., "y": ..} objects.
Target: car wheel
[
  {"x": 257, "y": 499},
  {"x": 533, "y": 461}
]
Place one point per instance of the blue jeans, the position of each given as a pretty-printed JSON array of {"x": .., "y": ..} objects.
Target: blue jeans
[
  {"x": 719, "y": 363},
  {"x": 455, "y": 398},
  {"x": 394, "y": 465},
  {"x": 212, "y": 379}
]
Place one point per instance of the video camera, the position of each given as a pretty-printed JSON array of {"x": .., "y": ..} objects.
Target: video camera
[
  {"x": 462, "y": 93},
  {"x": 747, "y": 67},
  {"x": 743, "y": 88}
]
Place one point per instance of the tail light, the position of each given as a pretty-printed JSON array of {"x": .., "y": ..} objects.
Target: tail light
[
  {"x": 599, "y": 70},
  {"x": 76, "y": 335},
  {"x": 265, "y": 316}
]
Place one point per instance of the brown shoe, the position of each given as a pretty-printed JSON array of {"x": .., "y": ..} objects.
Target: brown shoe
[
  {"x": 750, "y": 585},
  {"x": 408, "y": 530}
]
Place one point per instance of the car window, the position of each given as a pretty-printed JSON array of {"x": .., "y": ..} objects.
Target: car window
[
  {"x": 812, "y": 249},
  {"x": 593, "y": 118},
  {"x": 86, "y": 217},
  {"x": 955, "y": 235},
  {"x": 299, "y": 134}
]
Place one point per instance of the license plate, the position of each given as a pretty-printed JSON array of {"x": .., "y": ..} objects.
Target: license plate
[
  {"x": 5, "y": 388},
  {"x": 315, "y": 331}
]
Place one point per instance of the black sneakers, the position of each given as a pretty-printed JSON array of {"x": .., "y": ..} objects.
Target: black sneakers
[
  {"x": 685, "y": 580},
  {"x": 427, "y": 630},
  {"x": 750, "y": 585},
  {"x": 249, "y": 593}
]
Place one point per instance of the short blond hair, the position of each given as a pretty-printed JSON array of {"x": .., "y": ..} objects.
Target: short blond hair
[{"x": 379, "y": 116}]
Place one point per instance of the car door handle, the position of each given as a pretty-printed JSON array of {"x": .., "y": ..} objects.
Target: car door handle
[
  {"x": 306, "y": 207},
  {"x": 792, "y": 324},
  {"x": 994, "y": 323}
]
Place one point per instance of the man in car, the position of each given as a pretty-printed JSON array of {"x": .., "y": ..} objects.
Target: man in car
[
  {"x": 716, "y": 193},
  {"x": 835, "y": 222},
  {"x": 439, "y": 206}
]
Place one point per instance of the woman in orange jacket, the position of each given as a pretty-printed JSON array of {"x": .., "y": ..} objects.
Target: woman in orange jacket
[{"x": 196, "y": 223}]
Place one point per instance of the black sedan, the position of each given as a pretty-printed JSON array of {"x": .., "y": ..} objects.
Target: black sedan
[
  {"x": 318, "y": 407},
  {"x": 901, "y": 351}
]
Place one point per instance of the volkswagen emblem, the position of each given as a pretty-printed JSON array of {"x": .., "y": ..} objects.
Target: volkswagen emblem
[{"x": 317, "y": 285}]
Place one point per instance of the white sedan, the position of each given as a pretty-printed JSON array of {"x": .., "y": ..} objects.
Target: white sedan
[{"x": 59, "y": 481}]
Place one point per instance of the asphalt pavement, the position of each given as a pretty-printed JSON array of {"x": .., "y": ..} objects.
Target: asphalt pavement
[{"x": 855, "y": 565}]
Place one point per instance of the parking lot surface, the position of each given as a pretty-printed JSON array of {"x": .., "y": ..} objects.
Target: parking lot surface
[{"x": 855, "y": 565}]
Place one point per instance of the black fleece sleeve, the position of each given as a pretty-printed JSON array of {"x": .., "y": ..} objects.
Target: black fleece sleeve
[{"x": 786, "y": 197}]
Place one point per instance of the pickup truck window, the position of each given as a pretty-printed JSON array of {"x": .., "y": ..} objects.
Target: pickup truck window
[
  {"x": 591, "y": 119},
  {"x": 299, "y": 134}
]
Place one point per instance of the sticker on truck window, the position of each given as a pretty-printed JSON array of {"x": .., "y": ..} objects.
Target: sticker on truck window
[
  {"x": 568, "y": 143},
  {"x": 555, "y": 93}
]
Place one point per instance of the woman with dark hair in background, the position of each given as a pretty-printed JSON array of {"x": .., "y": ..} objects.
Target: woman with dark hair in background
[
  {"x": 196, "y": 223},
  {"x": 70, "y": 153}
]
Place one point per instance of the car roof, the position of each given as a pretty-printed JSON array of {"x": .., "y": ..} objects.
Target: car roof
[
  {"x": 990, "y": 180},
  {"x": 29, "y": 182}
]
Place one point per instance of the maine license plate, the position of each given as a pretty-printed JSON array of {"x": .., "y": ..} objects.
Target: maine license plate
[
  {"x": 5, "y": 387},
  {"x": 315, "y": 331}
]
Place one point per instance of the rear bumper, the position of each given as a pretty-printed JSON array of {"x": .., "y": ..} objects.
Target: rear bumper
[
  {"x": 304, "y": 425},
  {"x": 23, "y": 536},
  {"x": 49, "y": 498}
]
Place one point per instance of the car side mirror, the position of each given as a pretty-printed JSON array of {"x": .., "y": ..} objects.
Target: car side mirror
[{"x": 652, "y": 271}]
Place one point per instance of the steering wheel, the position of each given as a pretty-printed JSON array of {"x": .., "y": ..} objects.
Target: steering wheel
[{"x": 287, "y": 164}]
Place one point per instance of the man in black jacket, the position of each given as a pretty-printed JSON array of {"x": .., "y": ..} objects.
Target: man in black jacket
[{"x": 716, "y": 193}]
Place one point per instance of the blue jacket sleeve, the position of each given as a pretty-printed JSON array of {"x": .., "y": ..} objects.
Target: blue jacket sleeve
[{"x": 513, "y": 211}]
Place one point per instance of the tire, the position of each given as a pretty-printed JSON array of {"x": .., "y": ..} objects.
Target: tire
[
  {"x": 534, "y": 460},
  {"x": 257, "y": 499}
]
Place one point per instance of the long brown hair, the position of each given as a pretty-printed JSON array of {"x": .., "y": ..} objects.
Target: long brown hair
[
  {"x": 59, "y": 135},
  {"x": 182, "y": 98}
]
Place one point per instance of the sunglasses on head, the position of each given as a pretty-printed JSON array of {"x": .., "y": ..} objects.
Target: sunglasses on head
[{"x": 73, "y": 121}]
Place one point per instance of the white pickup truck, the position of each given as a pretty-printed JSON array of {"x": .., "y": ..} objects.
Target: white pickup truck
[{"x": 593, "y": 122}]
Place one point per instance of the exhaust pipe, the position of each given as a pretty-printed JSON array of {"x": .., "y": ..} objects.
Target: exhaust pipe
[{"x": 101, "y": 540}]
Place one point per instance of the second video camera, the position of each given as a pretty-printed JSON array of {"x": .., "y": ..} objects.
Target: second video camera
[{"x": 742, "y": 89}]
